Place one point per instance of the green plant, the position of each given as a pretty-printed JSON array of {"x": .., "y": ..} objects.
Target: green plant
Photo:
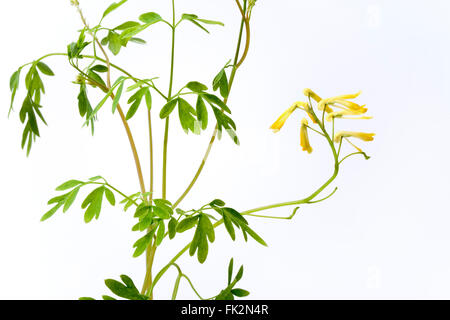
[{"x": 159, "y": 219}]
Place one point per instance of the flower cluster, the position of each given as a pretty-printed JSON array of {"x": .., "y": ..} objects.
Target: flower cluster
[{"x": 339, "y": 107}]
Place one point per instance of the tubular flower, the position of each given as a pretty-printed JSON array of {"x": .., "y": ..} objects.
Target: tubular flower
[
  {"x": 347, "y": 114},
  {"x": 350, "y": 134},
  {"x": 277, "y": 125},
  {"x": 309, "y": 93},
  {"x": 304, "y": 139},
  {"x": 342, "y": 102},
  {"x": 307, "y": 108}
]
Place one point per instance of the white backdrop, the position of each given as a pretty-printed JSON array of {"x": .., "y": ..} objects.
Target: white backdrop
[{"x": 383, "y": 235}]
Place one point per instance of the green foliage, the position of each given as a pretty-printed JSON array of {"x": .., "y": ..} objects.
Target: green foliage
[
  {"x": 30, "y": 113},
  {"x": 92, "y": 203},
  {"x": 231, "y": 219},
  {"x": 135, "y": 101},
  {"x": 75, "y": 48},
  {"x": 155, "y": 218},
  {"x": 221, "y": 81},
  {"x": 85, "y": 108},
  {"x": 125, "y": 289},
  {"x": 198, "y": 22},
  {"x": 151, "y": 218},
  {"x": 203, "y": 234},
  {"x": 113, "y": 7},
  {"x": 230, "y": 292}
]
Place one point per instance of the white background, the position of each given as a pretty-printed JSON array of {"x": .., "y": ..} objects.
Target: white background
[{"x": 384, "y": 235}]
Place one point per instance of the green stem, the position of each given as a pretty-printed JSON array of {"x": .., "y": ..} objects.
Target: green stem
[
  {"x": 352, "y": 154},
  {"x": 214, "y": 135},
  {"x": 277, "y": 205},
  {"x": 177, "y": 284},
  {"x": 176, "y": 287},
  {"x": 166, "y": 130}
]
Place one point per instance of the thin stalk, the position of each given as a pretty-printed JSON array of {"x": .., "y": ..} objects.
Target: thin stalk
[
  {"x": 166, "y": 130},
  {"x": 119, "y": 109},
  {"x": 215, "y": 132},
  {"x": 148, "y": 282},
  {"x": 150, "y": 137}
]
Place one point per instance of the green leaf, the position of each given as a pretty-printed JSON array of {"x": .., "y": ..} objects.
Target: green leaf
[
  {"x": 240, "y": 292},
  {"x": 202, "y": 113},
  {"x": 86, "y": 299},
  {"x": 128, "y": 282},
  {"x": 148, "y": 99},
  {"x": 69, "y": 185},
  {"x": 58, "y": 199},
  {"x": 14, "y": 86},
  {"x": 142, "y": 210},
  {"x": 186, "y": 224},
  {"x": 70, "y": 199},
  {"x": 221, "y": 81},
  {"x": 239, "y": 274},
  {"x": 115, "y": 43},
  {"x": 117, "y": 97},
  {"x": 150, "y": 18},
  {"x": 217, "y": 202},
  {"x": 192, "y": 18},
  {"x": 161, "y": 212},
  {"x": 172, "y": 228},
  {"x": 129, "y": 33},
  {"x": 186, "y": 112},
  {"x": 136, "y": 100},
  {"x": 253, "y": 234},
  {"x": 110, "y": 197},
  {"x": 96, "y": 178},
  {"x": 196, "y": 86},
  {"x": 230, "y": 271},
  {"x": 214, "y": 100},
  {"x": 229, "y": 227},
  {"x": 143, "y": 243},
  {"x": 168, "y": 108},
  {"x": 126, "y": 25},
  {"x": 51, "y": 212},
  {"x": 105, "y": 297},
  {"x": 123, "y": 291},
  {"x": 211, "y": 22},
  {"x": 113, "y": 7},
  {"x": 93, "y": 202},
  {"x": 207, "y": 227},
  {"x": 235, "y": 216},
  {"x": 203, "y": 249},
  {"x": 45, "y": 69},
  {"x": 100, "y": 68},
  {"x": 138, "y": 40},
  {"x": 164, "y": 204},
  {"x": 160, "y": 233}
]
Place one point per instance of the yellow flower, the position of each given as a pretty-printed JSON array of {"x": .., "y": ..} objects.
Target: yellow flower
[
  {"x": 309, "y": 93},
  {"x": 304, "y": 139},
  {"x": 342, "y": 102},
  {"x": 350, "y": 134},
  {"x": 277, "y": 125},
  {"x": 307, "y": 108},
  {"x": 347, "y": 114}
]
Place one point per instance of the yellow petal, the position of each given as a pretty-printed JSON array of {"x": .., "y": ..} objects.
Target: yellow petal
[
  {"x": 351, "y": 105},
  {"x": 323, "y": 104},
  {"x": 360, "y": 135},
  {"x": 348, "y": 96},
  {"x": 278, "y": 124},
  {"x": 304, "y": 138},
  {"x": 309, "y": 93},
  {"x": 346, "y": 114}
]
